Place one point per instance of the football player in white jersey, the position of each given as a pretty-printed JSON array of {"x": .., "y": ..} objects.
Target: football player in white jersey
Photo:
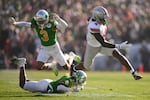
[{"x": 96, "y": 42}]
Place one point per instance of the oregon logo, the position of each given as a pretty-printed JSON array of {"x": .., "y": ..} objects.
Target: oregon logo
[{"x": 48, "y": 25}]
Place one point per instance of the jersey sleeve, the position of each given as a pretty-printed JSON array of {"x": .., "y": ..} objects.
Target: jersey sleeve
[
  {"x": 33, "y": 23},
  {"x": 94, "y": 28}
]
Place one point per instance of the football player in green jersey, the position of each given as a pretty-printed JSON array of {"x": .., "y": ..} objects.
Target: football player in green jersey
[
  {"x": 46, "y": 27},
  {"x": 73, "y": 83}
]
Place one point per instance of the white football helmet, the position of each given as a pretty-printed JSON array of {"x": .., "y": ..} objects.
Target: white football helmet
[
  {"x": 81, "y": 77},
  {"x": 99, "y": 13},
  {"x": 42, "y": 17}
]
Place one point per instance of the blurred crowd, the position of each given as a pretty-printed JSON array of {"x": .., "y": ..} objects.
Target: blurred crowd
[{"x": 130, "y": 20}]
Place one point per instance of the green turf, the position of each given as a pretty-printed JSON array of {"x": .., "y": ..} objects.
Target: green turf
[{"x": 100, "y": 86}]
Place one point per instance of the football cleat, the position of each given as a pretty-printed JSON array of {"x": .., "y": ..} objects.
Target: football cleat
[
  {"x": 76, "y": 58},
  {"x": 19, "y": 61},
  {"x": 56, "y": 72},
  {"x": 136, "y": 76}
]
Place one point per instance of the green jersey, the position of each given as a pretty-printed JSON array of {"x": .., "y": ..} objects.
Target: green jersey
[
  {"x": 65, "y": 80},
  {"x": 47, "y": 35}
]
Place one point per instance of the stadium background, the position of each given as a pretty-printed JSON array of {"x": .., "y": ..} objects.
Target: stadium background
[{"x": 130, "y": 20}]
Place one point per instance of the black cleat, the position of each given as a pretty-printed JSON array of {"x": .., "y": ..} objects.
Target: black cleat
[{"x": 136, "y": 76}]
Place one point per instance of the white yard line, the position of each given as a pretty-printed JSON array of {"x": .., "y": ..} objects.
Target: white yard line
[{"x": 89, "y": 95}]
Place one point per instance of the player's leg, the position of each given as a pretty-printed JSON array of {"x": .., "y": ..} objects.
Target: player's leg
[
  {"x": 76, "y": 63},
  {"x": 80, "y": 66},
  {"x": 42, "y": 58},
  {"x": 124, "y": 61},
  {"x": 90, "y": 53},
  {"x": 60, "y": 57},
  {"x": 22, "y": 77},
  {"x": 39, "y": 65},
  {"x": 44, "y": 66},
  {"x": 22, "y": 74}
]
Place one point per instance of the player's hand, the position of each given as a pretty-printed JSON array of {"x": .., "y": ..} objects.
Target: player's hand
[
  {"x": 56, "y": 17},
  {"x": 12, "y": 20},
  {"x": 76, "y": 89},
  {"x": 123, "y": 45}
]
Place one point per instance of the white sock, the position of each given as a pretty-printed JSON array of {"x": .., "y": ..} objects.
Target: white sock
[{"x": 22, "y": 65}]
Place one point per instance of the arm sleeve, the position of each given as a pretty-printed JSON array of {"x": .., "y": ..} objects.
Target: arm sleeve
[
  {"x": 61, "y": 25},
  {"x": 63, "y": 88},
  {"x": 22, "y": 23},
  {"x": 102, "y": 41}
]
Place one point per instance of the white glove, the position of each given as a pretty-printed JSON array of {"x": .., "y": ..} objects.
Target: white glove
[
  {"x": 123, "y": 45},
  {"x": 56, "y": 17},
  {"x": 12, "y": 20}
]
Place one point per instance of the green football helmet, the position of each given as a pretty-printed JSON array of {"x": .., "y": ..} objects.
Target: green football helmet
[{"x": 42, "y": 17}]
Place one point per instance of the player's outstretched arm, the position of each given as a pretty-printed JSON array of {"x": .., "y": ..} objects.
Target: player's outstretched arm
[
  {"x": 123, "y": 45},
  {"x": 20, "y": 23},
  {"x": 103, "y": 42},
  {"x": 61, "y": 25},
  {"x": 62, "y": 88}
]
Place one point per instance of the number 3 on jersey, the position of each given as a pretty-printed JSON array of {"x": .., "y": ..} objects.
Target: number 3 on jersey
[{"x": 44, "y": 35}]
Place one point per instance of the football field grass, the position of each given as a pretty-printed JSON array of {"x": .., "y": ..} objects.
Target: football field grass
[{"x": 100, "y": 86}]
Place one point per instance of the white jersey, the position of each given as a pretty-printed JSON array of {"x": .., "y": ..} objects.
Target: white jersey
[{"x": 94, "y": 27}]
